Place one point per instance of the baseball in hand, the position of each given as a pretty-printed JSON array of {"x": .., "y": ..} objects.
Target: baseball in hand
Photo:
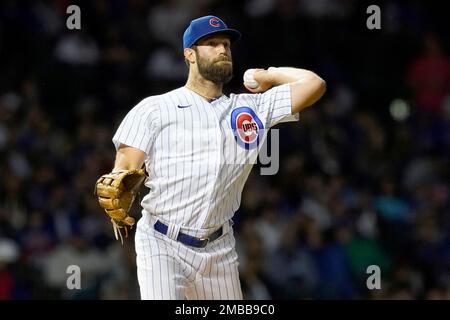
[{"x": 249, "y": 81}]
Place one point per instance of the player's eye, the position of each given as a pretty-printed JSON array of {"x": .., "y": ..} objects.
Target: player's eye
[{"x": 215, "y": 43}]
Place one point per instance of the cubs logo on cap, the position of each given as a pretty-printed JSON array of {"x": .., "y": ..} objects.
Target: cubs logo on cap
[
  {"x": 205, "y": 26},
  {"x": 214, "y": 22},
  {"x": 247, "y": 127}
]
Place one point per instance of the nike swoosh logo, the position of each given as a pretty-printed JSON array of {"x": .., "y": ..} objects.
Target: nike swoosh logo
[{"x": 186, "y": 106}]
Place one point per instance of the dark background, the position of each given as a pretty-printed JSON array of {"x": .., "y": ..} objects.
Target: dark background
[{"x": 357, "y": 186}]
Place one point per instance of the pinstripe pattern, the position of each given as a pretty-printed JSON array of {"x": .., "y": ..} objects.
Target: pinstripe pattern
[{"x": 197, "y": 174}]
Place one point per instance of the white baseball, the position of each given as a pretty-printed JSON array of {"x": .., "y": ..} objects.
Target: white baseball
[{"x": 249, "y": 81}]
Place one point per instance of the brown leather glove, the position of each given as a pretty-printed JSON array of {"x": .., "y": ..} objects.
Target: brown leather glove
[{"x": 116, "y": 192}]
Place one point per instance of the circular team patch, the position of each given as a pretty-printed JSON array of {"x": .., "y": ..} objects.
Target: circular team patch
[
  {"x": 214, "y": 22},
  {"x": 247, "y": 128}
]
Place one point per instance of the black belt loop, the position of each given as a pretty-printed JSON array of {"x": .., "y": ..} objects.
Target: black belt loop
[{"x": 190, "y": 240}]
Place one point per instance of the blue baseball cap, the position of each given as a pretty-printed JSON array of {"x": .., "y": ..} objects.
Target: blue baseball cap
[{"x": 205, "y": 26}]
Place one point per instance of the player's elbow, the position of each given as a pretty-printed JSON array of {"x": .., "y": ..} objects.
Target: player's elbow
[
  {"x": 321, "y": 87},
  {"x": 317, "y": 88},
  {"x": 307, "y": 92}
]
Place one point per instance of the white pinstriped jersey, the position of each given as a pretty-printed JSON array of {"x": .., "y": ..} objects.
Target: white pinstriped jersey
[{"x": 200, "y": 153}]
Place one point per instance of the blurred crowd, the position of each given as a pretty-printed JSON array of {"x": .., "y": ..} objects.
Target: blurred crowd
[{"x": 358, "y": 184}]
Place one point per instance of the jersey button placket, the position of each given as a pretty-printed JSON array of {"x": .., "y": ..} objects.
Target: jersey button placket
[{"x": 218, "y": 157}]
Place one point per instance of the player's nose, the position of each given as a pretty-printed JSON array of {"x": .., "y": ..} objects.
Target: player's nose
[{"x": 222, "y": 48}]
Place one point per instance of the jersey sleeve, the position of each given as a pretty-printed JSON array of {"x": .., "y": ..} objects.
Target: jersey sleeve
[
  {"x": 275, "y": 105},
  {"x": 138, "y": 128}
]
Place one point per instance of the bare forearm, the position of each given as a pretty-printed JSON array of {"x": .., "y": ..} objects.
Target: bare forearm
[
  {"x": 306, "y": 89},
  {"x": 284, "y": 75},
  {"x": 128, "y": 158},
  {"x": 306, "y": 86}
]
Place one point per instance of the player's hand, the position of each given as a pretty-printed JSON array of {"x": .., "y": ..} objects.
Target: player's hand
[{"x": 264, "y": 79}]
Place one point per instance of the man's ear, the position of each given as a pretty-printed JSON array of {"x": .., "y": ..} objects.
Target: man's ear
[{"x": 189, "y": 55}]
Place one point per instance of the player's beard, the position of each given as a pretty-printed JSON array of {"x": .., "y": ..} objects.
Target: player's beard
[{"x": 219, "y": 71}]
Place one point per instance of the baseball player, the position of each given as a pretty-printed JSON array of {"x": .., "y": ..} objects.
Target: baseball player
[{"x": 195, "y": 143}]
